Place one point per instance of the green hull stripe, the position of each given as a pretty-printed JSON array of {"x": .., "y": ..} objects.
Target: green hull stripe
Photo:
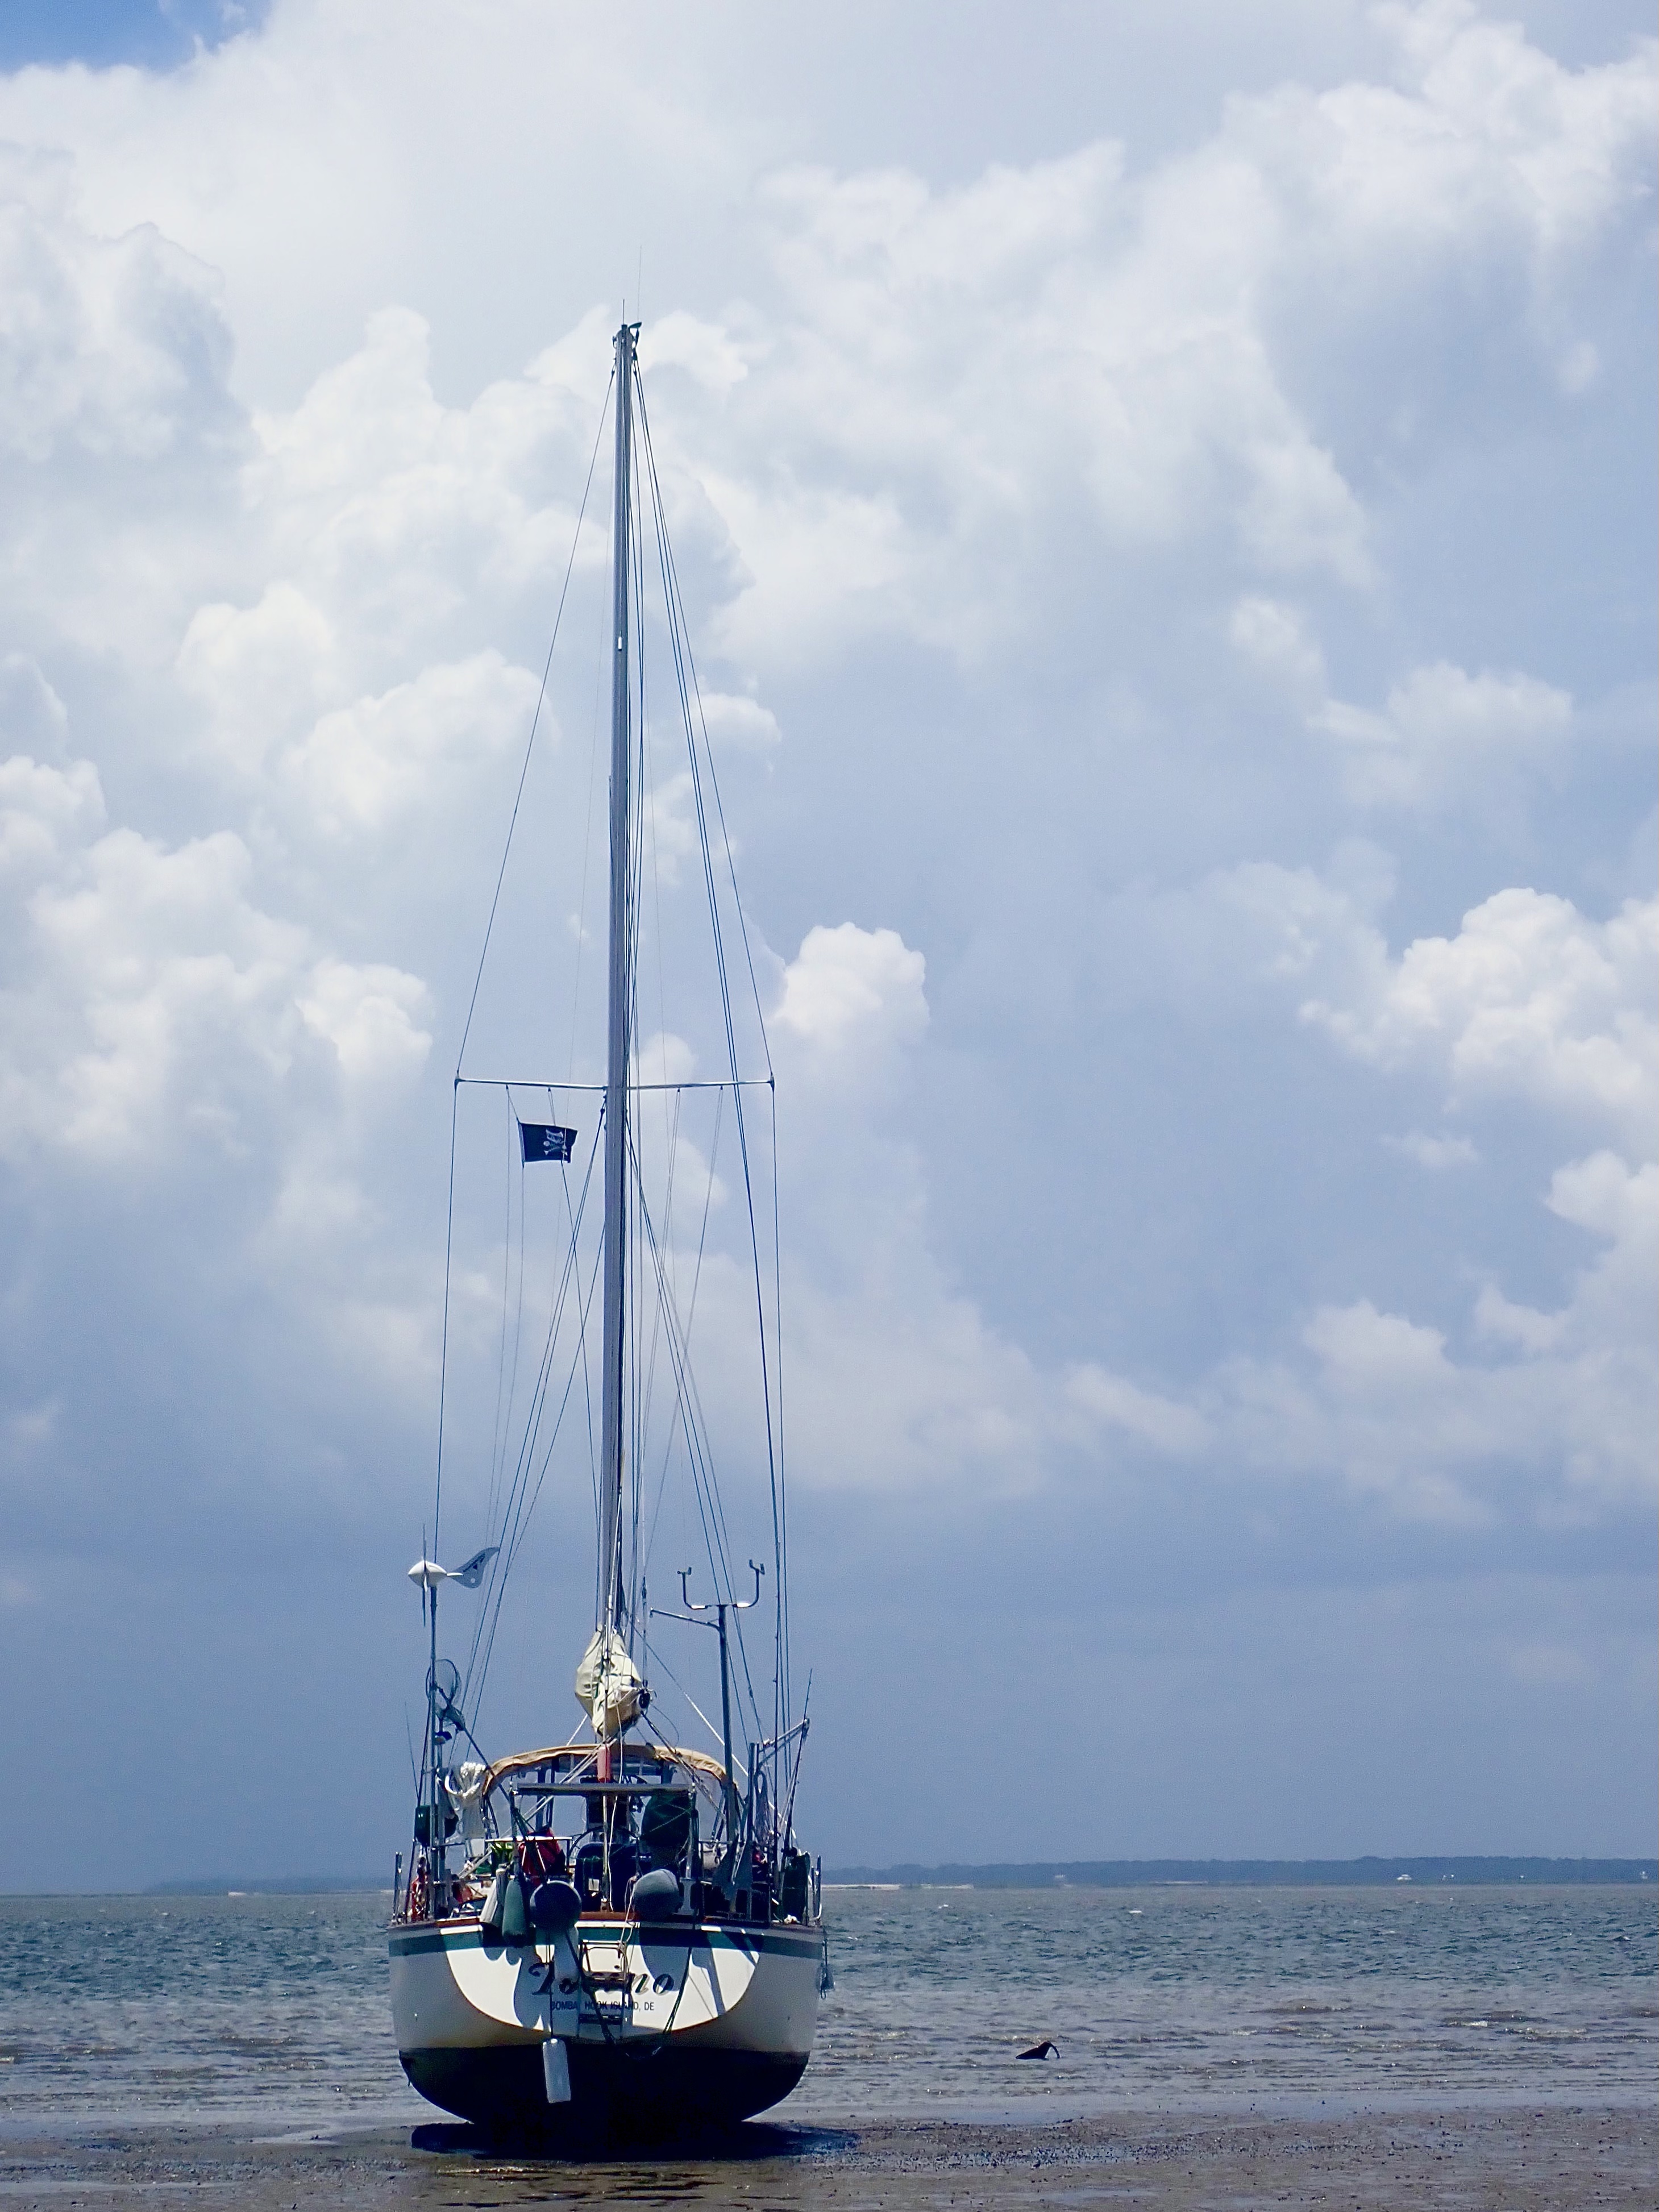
[{"x": 662, "y": 1933}]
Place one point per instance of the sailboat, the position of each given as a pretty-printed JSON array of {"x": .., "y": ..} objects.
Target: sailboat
[{"x": 611, "y": 1930}]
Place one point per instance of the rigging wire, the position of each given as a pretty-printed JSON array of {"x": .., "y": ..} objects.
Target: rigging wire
[
  {"x": 513, "y": 1515},
  {"x": 691, "y": 1311},
  {"x": 503, "y": 1423},
  {"x": 483, "y": 954},
  {"x": 655, "y": 1252},
  {"x": 685, "y": 675},
  {"x": 653, "y": 1653},
  {"x": 692, "y": 1421},
  {"x": 510, "y": 1551},
  {"x": 535, "y": 723}
]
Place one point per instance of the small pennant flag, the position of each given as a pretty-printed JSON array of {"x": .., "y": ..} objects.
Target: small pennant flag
[{"x": 545, "y": 1140}]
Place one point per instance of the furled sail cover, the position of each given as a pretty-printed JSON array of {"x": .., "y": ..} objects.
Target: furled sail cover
[{"x": 608, "y": 1684}]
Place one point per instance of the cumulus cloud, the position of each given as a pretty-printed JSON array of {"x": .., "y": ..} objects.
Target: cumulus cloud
[
  {"x": 1530, "y": 997},
  {"x": 1555, "y": 1422},
  {"x": 1434, "y": 1153},
  {"x": 851, "y": 993},
  {"x": 1276, "y": 638},
  {"x": 897, "y": 1377},
  {"x": 947, "y": 367},
  {"x": 360, "y": 767},
  {"x": 1443, "y": 729},
  {"x": 112, "y": 347},
  {"x": 1531, "y": 1005},
  {"x": 1443, "y": 736},
  {"x": 149, "y": 992}
]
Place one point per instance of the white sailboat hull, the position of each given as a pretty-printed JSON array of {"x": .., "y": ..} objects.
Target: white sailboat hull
[{"x": 660, "y": 2024}]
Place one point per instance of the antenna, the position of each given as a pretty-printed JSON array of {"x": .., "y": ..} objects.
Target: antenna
[{"x": 720, "y": 1608}]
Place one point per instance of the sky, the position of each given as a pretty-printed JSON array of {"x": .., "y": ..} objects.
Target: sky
[{"x": 1164, "y": 500}]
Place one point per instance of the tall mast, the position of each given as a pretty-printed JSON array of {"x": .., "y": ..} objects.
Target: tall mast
[{"x": 618, "y": 1038}]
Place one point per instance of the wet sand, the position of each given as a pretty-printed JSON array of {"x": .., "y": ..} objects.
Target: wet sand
[{"x": 1490, "y": 2160}]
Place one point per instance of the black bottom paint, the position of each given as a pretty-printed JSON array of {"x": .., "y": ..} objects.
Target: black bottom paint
[{"x": 615, "y": 2090}]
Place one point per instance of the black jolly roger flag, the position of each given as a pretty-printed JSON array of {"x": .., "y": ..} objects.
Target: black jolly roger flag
[{"x": 545, "y": 1140}]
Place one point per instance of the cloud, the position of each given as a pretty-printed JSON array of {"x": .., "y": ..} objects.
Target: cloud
[
  {"x": 43, "y": 810},
  {"x": 1532, "y": 1008},
  {"x": 112, "y": 349},
  {"x": 1562, "y": 1434},
  {"x": 851, "y": 993},
  {"x": 945, "y": 367},
  {"x": 1443, "y": 729},
  {"x": 257, "y": 670},
  {"x": 152, "y": 1000},
  {"x": 1531, "y": 1002},
  {"x": 1560, "y": 144},
  {"x": 1275, "y": 637},
  {"x": 368, "y": 1016},
  {"x": 1444, "y": 738},
  {"x": 361, "y": 767},
  {"x": 33, "y": 717},
  {"x": 1120, "y": 1405},
  {"x": 1383, "y": 1412},
  {"x": 898, "y": 1379},
  {"x": 1531, "y": 997},
  {"x": 1434, "y": 1154},
  {"x": 973, "y": 352},
  {"x": 737, "y": 721}
]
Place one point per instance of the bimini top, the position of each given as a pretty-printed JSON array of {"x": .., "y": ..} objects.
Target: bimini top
[{"x": 525, "y": 1762}]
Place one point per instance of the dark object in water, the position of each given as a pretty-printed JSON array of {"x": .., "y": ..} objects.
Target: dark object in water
[{"x": 1044, "y": 2050}]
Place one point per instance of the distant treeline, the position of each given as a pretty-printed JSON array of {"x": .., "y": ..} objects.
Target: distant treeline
[{"x": 1285, "y": 1874}]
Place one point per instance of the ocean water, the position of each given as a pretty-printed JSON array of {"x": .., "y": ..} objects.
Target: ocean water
[{"x": 274, "y": 2009}]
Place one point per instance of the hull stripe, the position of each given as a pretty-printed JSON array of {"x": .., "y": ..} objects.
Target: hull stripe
[{"x": 464, "y": 1936}]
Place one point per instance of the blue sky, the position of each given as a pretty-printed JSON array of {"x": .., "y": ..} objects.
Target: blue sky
[
  {"x": 149, "y": 33},
  {"x": 1165, "y": 507}
]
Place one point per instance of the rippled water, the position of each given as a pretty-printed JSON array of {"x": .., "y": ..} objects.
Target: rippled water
[
  {"x": 275, "y": 2007},
  {"x": 1192, "y": 1996}
]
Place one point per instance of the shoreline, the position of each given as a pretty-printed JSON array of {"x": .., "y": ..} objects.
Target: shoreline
[{"x": 1551, "y": 2157}]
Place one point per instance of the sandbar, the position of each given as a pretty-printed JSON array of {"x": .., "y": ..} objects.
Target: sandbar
[{"x": 1495, "y": 2159}]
